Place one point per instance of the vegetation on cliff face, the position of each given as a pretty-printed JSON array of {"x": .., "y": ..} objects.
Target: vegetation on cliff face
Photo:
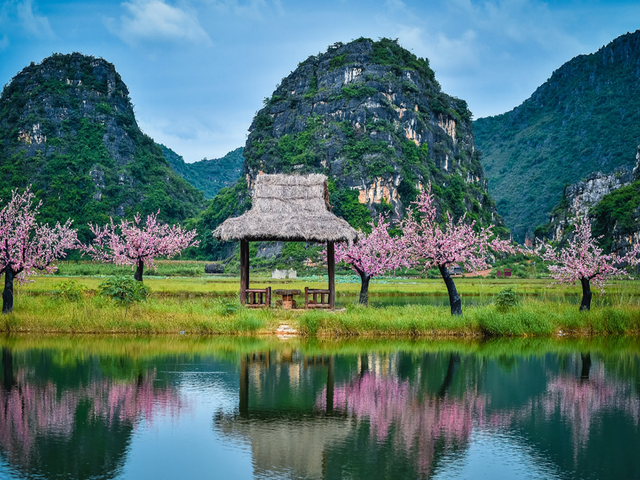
[
  {"x": 612, "y": 203},
  {"x": 617, "y": 215},
  {"x": 67, "y": 127},
  {"x": 371, "y": 116},
  {"x": 585, "y": 118},
  {"x": 207, "y": 175}
]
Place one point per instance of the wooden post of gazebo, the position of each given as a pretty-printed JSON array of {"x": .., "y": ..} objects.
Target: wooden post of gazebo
[
  {"x": 331, "y": 273},
  {"x": 244, "y": 385},
  {"x": 244, "y": 270}
]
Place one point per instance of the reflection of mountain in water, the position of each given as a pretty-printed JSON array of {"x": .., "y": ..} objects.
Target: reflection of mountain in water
[
  {"x": 298, "y": 411},
  {"x": 73, "y": 426},
  {"x": 277, "y": 415}
]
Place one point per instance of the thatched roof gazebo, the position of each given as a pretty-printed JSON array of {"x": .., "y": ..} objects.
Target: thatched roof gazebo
[{"x": 290, "y": 208}]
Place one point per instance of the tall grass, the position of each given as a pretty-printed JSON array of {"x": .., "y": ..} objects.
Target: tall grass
[
  {"x": 100, "y": 315},
  {"x": 530, "y": 317}
]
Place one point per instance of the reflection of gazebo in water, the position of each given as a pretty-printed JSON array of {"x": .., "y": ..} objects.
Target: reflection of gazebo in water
[
  {"x": 318, "y": 417},
  {"x": 278, "y": 415},
  {"x": 290, "y": 208}
]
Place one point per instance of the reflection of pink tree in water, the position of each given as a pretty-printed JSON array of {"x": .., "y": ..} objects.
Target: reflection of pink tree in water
[
  {"x": 395, "y": 411},
  {"x": 30, "y": 410},
  {"x": 580, "y": 401}
]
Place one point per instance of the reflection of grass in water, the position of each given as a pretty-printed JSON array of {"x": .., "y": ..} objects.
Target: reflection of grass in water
[{"x": 623, "y": 350}]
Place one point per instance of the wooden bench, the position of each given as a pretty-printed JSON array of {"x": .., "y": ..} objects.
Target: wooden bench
[
  {"x": 313, "y": 303},
  {"x": 258, "y": 297}
]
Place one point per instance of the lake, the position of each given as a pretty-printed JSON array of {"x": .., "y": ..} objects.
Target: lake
[{"x": 180, "y": 407}]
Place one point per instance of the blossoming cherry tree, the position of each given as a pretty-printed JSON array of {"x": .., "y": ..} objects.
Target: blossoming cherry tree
[
  {"x": 131, "y": 243},
  {"x": 582, "y": 260},
  {"x": 27, "y": 246},
  {"x": 433, "y": 246},
  {"x": 373, "y": 254}
]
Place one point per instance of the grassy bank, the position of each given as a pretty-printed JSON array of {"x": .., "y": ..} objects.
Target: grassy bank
[{"x": 172, "y": 315}]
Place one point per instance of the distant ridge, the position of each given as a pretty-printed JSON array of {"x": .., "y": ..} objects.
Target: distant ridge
[
  {"x": 585, "y": 118},
  {"x": 207, "y": 175}
]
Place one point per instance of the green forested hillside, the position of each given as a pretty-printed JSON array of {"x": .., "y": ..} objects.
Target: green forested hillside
[
  {"x": 208, "y": 175},
  {"x": 67, "y": 128},
  {"x": 585, "y": 118}
]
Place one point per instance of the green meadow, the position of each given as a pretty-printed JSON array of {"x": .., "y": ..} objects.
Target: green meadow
[{"x": 208, "y": 304}]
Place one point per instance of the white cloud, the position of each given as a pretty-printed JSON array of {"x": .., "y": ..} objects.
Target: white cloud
[
  {"x": 34, "y": 24},
  {"x": 155, "y": 20}
]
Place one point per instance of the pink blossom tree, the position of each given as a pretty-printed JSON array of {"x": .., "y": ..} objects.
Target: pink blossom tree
[
  {"x": 27, "y": 246},
  {"x": 582, "y": 260},
  {"x": 131, "y": 243},
  {"x": 454, "y": 243},
  {"x": 373, "y": 254}
]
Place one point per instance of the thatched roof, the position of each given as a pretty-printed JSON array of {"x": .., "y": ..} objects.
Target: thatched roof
[{"x": 289, "y": 208}]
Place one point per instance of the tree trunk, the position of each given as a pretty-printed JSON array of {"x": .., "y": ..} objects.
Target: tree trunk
[
  {"x": 586, "y": 294},
  {"x": 7, "y": 294},
  {"x": 364, "y": 288},
  {"x": 7, "y": 367},
  {"x": 586, "y": 366},
  {"x": 454, "y": 364},
  {"x": 454, "y": 298},
  {"x": 139, "y": 270}
]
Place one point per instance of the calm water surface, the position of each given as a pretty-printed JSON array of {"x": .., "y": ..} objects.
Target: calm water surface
[{"x": 169, "y": 408}]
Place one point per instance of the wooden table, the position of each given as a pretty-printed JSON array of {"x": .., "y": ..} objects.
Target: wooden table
[{"x": 287, "y": 297}]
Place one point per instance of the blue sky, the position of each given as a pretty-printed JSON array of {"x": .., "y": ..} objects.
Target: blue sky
[{"x": 198, "y": 70}]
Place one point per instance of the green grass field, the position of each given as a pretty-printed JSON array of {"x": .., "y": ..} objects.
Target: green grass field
[
  {"x": 214, "y": 285},
  {"x": 208, "y": 305}
]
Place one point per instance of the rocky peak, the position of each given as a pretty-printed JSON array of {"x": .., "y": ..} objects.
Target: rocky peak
[
  {"x": 67, "y": 127},
  {"x": 50, "y": 100},
  {"x": 583, "y": 195},
  {"x": 372, "y": 117},
  {"x": 584, "y": 118}
]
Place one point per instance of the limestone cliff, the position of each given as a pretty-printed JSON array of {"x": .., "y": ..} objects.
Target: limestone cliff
[{"x": 609, "y": 201}]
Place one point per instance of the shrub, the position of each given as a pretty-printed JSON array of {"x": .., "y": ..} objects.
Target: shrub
[
  {"x": 506, "y": 299},
  {"x": 228, "y": 306},
  {"x": 123, "y": 290},
  {"x": 70, "y": 290}
]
